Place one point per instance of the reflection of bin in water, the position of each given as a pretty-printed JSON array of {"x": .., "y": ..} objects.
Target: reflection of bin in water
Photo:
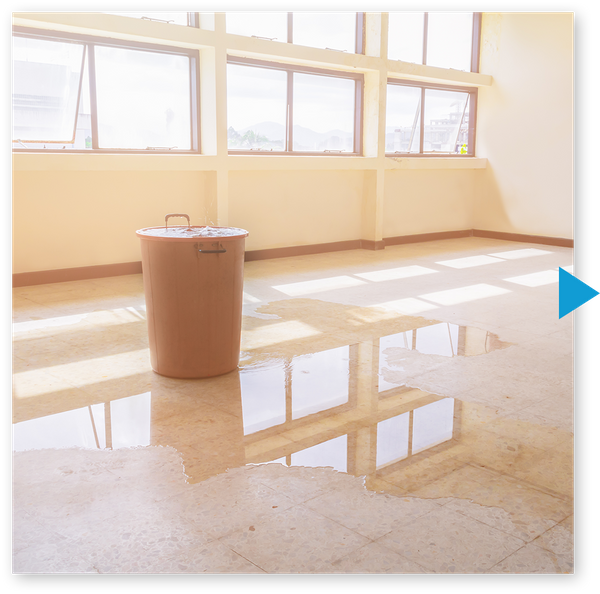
[{"x": 193, "y": 283}]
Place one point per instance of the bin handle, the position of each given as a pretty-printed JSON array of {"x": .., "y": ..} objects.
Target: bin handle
[
  {"x": 221, "y": 249},
  {"x": 175, "y": 214}
]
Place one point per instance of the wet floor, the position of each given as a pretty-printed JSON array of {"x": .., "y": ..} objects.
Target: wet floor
[
  {"x": 431, "y": 410},
  {"x": 283, "y": 400}
]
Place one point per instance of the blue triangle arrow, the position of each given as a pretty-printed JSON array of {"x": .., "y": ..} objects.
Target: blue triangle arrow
[{"x": 572, "y": 293}]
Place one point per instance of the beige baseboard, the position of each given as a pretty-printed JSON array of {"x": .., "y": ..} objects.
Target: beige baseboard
[
  {"x": 42, "y": 277},
  {"x": 557, "y": 241},
  {"x": 427, "y": 237},
  {"x": 318, "y": 248},
  {"x": 24, "y": 279}
]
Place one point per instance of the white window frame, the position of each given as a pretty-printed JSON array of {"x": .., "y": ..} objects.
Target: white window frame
[
  {"x": 89, "y": 42},
  {"x": 472, "y": 113},
  {"x": 475, "y": 40},
  {"x": 291, "y": 69}
]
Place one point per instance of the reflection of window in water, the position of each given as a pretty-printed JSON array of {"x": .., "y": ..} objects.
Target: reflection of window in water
[
  {"x": 392, "y": 440},
  {"x": 283, "y": 393},
  {"x": 320, "y": 381},
  {"x": 315, "y": 383},
  {"x": 432, "y": 424},
  {"x": 263, "y": 397},
  {"x": 398, "y": 438},
  {"x": 438, "y": 339},
  {"x": 117, "y": 424},
  {"x": 329, "y": 453},
  {"x": 447, "y": 340}
]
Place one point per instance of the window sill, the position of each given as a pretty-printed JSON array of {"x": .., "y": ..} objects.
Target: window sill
[
  {"x": 287, "y": 162},
  {"x": 91, "y": 161},
  {"x": 392, "y": 163},
  {"x": 24, "y": 161}
]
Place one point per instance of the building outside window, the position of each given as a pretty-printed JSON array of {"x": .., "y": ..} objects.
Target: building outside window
[
  {"x": 428, "y": 119},
  {"x": 75, "y": 93},
  {"x": 80, "y": 93},
  {"x": 274, "y": 107}
]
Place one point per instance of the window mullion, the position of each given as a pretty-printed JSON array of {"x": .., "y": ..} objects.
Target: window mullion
[
  {"x": 422, "y": 123},
  {"x": 472, "y": 122},
  {"x": 290, "y": 111},
  {"x": 425, "y": 25},
  {"x": 358, "y": 118},
  {"x": 290, "y": 91},
  {"x": 462, "y": 119},
  {"x": 475, "y": 42},
  {"x": 194, "y": 104},
  {"x": 78, "y": 103},
  {"x": 93, "y": 99},
  {"x": 360, "y": 33}
]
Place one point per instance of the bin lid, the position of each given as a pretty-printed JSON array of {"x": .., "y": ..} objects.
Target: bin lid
[{"x": 191, "y": 233}]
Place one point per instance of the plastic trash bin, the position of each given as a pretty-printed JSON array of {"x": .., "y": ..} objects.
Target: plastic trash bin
[{"x": 193, "y": 284}]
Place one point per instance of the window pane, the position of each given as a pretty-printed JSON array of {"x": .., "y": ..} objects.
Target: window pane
[
  {"x": 46, "y": 79},
  {"x": 143, "y": 99},
  {"x": 176, "y": 18},
  {"x": 405, "y": 36},
  {"x": 272, "y": 25},
  {"x": 449, "y": 39},
  {"x": 256, "y": 108},
  {"x": 463, "y": 135},
  {"x": 263, "y": 396},
  {"x": 326, "y": 30},
  {"x": 323, "y": 113},
  {"x": 432, "y": 424},
  {"x": 403, "y": 114},
  {"x": 320, "y": 381},
  {"x": 83, "y": 135},
  {"x": 332, "y": 453},
  {"x": 444, "y": 111},
  {"x": 392, "y": 440}
]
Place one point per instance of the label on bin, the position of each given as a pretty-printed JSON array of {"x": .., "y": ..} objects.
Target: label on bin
[{"x": 204, "y": 231}]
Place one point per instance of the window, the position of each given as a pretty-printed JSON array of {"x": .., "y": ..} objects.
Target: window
[
  {"x": 79, "y": 93},
  {"x": 48, "y": 77},
  {"x": 340, "y": 31},
  {"x": 187, "y": 19},
  {"x": 428, "y": 119},
  {"x": 287, "y": 109},
  {"x": 443, "y": 39}
]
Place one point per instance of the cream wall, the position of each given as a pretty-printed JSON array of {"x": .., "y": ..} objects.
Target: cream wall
[
  {"x": 68, "y": 219},
  {"x": 428, "y": 201},
  {"x": 292, "y": 208},
  {"x": 72, "y": 210},
  {"x": 524, "y": 125}
]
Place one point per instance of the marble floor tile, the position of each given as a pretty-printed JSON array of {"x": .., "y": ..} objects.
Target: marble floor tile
[
  {"x": 445, "y": 541},
  {"x": 510, "y": 506},
  {"x": 559, "y": 540},
  {"x": 296, "y": 540},
  {"x": 370, "y": 514},
  {"x": 373, "y": 558},
  {"x": 212, "y": 557},
  {"x": 532, "y": 559}
]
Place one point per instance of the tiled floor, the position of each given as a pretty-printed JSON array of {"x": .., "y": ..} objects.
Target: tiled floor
[{"x": 415, "y": 405}]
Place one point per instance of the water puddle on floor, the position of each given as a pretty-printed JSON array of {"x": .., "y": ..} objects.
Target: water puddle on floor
[{"x": 321, "y": 385}]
